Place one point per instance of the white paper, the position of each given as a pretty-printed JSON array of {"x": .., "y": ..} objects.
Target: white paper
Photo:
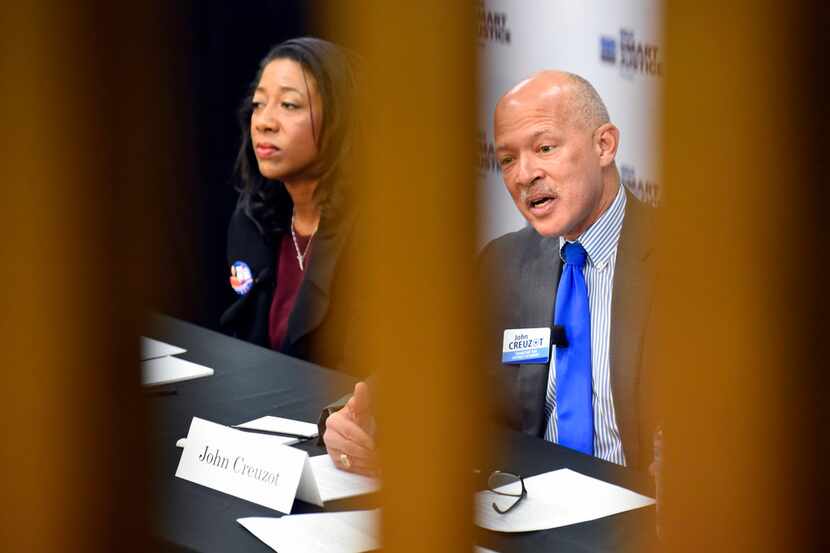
[
  {"x": 347, "y": 532},
  {"x": 333, "y": 483},
  {"x": 281, "y": 425},
  {"x": 151, "y": 349},
  {"x": 284, "y": 440},
  {"x": 256, "y": 467},
  {"x": 555, "y": 499},
  {"x": 308, "y": 490},
  {"x": 478, "y": 549},
  {"x": 167, "y": 370}
]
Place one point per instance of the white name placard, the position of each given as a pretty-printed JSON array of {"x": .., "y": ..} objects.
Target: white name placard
[{"x": 255, "y": 467}]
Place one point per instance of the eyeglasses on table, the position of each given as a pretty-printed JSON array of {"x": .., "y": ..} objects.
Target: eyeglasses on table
[{"x": 511, "y": 488}]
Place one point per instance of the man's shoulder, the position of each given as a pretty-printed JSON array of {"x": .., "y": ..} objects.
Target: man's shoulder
[
  {"x": 504, "y": 259},
  {"x": 638, "y": 230},
  {"x": 512, "y": 243},
  {"x": 636, "y": 207}
]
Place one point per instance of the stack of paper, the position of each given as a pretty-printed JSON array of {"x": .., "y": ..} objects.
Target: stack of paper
[
  {"x": 281, "y": 425},
  {"x": 260, "y": 468},
  {"x": 331, "y": 482},
  {"x": 334, "y": 483},
  {"x": 284, "y": 440},
  {"x": 153, "y": 349},
  {"x": 555, "y": 499},
  {"x": 347, "y": 532},
  {"x": 158, "y": 366}
]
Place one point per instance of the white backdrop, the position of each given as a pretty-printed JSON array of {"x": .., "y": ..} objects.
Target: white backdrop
[{"x": 615, "y": 44}]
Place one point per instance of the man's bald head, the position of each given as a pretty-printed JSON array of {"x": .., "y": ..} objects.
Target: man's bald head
[
  {"x": 556, "y": 149},
  {"x": 575, "y": 95}
]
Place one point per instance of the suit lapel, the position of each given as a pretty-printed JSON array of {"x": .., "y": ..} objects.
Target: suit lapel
[
  {"x": 633, "y": 280},
  {"x": 539, "y": 274},
  {"x": 540, "y": 264}
]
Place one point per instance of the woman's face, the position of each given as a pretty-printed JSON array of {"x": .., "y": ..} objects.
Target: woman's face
[{"x": 281, "y": 121}]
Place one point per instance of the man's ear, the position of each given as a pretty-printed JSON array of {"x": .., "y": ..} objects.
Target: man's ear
[{"x": 606, "y": 142}]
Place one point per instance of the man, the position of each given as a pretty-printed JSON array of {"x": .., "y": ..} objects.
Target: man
[
  {"x": 582, "y": 266},
  {"x": 556, "y": 148}
]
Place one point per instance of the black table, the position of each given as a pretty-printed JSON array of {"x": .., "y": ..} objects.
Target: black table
[{"x": 250, "y": 382}]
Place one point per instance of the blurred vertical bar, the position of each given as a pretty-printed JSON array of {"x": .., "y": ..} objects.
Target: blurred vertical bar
[
  {"x": 741, "y": 279},
  {"x": 86, "y": 149},
  {"x": 417, "y": 194}
]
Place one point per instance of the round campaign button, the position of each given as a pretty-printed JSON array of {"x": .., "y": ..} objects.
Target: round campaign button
[{"x": 241, "y": 280}]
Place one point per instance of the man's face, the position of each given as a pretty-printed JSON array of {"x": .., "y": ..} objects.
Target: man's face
[{"x": 549, "y": 161}]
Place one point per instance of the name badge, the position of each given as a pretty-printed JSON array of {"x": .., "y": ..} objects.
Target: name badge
[
  {"x": 526, "y": 345},
  {"x": 254, "y": 467}
]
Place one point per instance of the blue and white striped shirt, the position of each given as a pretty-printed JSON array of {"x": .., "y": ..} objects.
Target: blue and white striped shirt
[{"x": 600, "y": 242}]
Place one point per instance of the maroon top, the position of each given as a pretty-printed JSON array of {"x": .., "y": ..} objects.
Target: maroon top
[{"x": 289, "y": 278}]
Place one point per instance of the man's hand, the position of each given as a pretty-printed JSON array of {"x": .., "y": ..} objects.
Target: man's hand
[{"x": 349, "y": 431}]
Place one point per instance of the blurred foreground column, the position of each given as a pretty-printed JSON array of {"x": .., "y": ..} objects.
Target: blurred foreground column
[
  {"x": 743, "y": 284},
  {"x": 82, "y": 150},
  {"x": 418, "y": 206}
]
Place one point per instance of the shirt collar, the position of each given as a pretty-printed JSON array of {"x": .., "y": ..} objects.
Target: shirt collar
[{"x": 600, "y": 239}]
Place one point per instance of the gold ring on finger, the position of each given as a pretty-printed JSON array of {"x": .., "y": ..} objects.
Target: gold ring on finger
[{"x": 345, "y": 461}]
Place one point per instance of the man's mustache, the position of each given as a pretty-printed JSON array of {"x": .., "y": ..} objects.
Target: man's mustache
[{"x": 537, "y": 189}]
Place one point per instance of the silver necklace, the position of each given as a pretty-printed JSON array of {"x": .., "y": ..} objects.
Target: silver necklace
[{"x": 301, "y": 256}]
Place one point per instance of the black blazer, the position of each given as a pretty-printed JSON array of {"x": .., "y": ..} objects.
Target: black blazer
[{"x": 319, "y": 323}]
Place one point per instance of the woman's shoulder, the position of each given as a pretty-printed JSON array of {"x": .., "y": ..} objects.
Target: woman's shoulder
[
  {"x": 263, "y": 213},
  {"x": 247, "y": 237},
  {"x": 243, "y": 227},
  {"x": 241, "y": 220}
]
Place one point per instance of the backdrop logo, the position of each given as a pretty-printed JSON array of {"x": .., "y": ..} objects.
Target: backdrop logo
[
  {"x": 492, "y": 26},
  {"x": 607, "y": 49},
  {"x": 487, "y": 162},
  {"x": 646, "y": 191},
  {"x": 634, "y": 56}
]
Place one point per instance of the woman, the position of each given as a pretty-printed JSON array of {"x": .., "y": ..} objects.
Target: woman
[{"x": 287, "y": 236}]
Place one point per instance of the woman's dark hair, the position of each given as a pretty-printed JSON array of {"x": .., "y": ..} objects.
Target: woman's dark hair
[{"x": 267, "y": 202}]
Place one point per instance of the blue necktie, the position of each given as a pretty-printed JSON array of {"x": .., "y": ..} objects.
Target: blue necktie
[{"x": 574, "y": 389}]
